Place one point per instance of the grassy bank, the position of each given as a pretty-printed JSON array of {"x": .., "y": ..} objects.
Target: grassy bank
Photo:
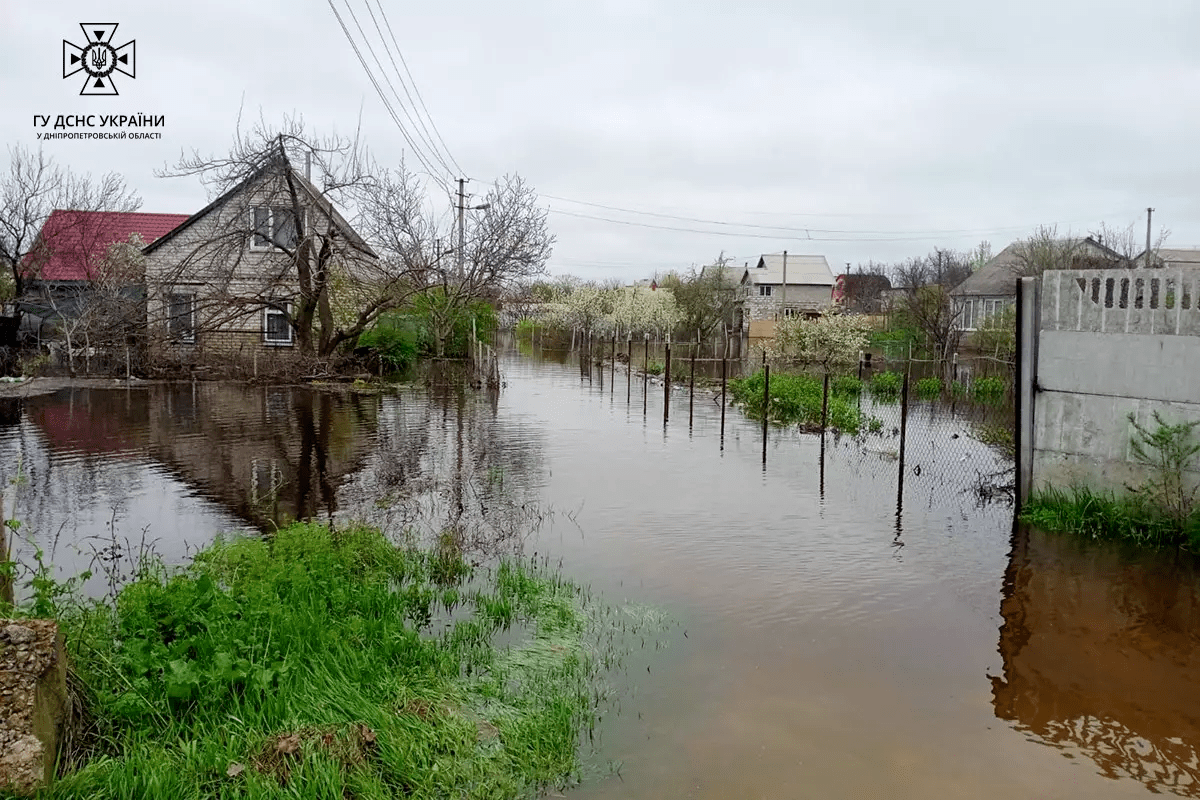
[
  {"x": 1106, "y": 516},
  {"x": 797, "y": 400},
  {"x": 333, "y": 664}
]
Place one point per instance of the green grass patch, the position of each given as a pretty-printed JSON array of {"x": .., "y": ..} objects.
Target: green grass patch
[
  {"x": 886, "y": 385},
  {"x": 332, "y": 663},
  {"x": 655, "y": 368},
  {"x": 1105, "y": 516},
  {"x": 796, "y": 400},
  {"x": 929, "y": 388},
  {"x": 988, "y": 390}
]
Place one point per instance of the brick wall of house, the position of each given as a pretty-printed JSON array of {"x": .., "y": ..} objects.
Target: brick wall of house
[
  {"x": 804, "y": 298},
  {"x": 212, "y": 259}
]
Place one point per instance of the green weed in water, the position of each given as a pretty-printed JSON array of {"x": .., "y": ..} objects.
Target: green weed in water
[
  {"x": 797, "y": 400},
  {"x": 929, "y": 388},
  {"x": 886, "y": 385}
]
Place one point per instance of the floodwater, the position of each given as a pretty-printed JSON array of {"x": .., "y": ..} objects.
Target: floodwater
[{"x": 830, "y": 642}]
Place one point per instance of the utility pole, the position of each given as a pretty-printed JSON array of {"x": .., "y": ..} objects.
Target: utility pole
[
  {"x": 783, "y": 298},
  {"x": 1149, "y": 212},
  {"x": 461, "y": 229}
]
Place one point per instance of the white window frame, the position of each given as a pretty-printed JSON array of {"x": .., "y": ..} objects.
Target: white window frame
[
  {"x": 764, "y": 290},
  {"x": 272, "y": 231},
  {"x": 190, "y": 336},
  {"x": 967, "y": 320},
  {"x": 266, "y": 327}
]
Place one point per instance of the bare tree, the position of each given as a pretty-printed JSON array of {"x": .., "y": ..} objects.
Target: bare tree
[
  {"x": 706, "y": 297},
  {"x": 926, "y": 302},
  {"x": 505, "y": 239},
  {"x": 1129, "y": 243},
  {"x": 30, "y": 191}
]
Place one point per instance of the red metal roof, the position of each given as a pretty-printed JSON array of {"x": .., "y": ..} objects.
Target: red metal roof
[{"x": 72, "y": 242}]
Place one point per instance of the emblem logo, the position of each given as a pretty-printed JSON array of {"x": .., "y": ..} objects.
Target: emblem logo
[{"x": 99, "y": 59}]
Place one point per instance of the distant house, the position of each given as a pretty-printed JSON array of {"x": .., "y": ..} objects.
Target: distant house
[
  {"x": 993, "y": 286},
  {"x": 1168, "y": 257},
  {"x": 225, "y": 279},
  {"x": 66, "y": 264},
  {"x": 807, "y": 288}
]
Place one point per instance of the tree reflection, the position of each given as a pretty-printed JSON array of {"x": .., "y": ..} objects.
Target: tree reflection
[
  {"x": 446, "y": 466},
  {"x": 268, "y": 454},
  {"x": 1102, "y": 656}
]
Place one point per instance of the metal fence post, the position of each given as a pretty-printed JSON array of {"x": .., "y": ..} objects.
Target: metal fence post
[
  {"x": 766, "y": 403},
  {"x": 667, "y": 383}
]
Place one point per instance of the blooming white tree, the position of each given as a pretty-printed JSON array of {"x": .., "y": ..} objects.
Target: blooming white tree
[
  {"x": 830, "y": 341},
  {"x": 638, "y": 310}
]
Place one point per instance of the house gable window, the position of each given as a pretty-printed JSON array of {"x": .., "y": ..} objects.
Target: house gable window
[
  {"x": 277, "y": 331},
  {"x": 764, "y": 290},
  {"x": 273, "y": 227},
  {"x": 181, "y": 316}
]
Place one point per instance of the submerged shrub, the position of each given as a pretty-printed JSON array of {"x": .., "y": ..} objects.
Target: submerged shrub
[
  {"x": 845, "y": 385},
  {"x": 988, "y": 390},
  {"x": 796, "y": 400},
  {"x": 887, "y": 385},
  {"x": 929, "y": 388}
]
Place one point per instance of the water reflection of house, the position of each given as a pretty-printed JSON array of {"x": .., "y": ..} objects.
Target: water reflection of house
[
  {"x": 222, "y": 440},
  {"x": 1102, "y": 654}
]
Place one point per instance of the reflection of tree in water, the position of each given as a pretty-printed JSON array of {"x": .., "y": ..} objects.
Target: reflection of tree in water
[
  {"x": 1102, "y": 655},
  {"x": 446, "y": 465}
]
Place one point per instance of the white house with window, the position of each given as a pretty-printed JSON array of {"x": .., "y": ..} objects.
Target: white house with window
[
  {"x": 786, "y": 285},
  {"x": 226, "y": 279},
  {"x": 993, "y": 287}
]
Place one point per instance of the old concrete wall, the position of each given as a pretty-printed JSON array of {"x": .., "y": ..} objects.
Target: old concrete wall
[
  {"x": 1111, "y": 343},
  {"x": 33, "y": 703}
]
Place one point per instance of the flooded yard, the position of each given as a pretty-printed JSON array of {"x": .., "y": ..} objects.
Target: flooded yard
[{"x": 830, "y": 642}]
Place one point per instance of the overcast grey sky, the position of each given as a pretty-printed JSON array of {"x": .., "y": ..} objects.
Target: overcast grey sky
[{"x": 871, "y": 129}]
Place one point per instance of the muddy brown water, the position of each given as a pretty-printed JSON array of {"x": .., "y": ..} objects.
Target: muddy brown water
[{"x": 827, "y": 643}]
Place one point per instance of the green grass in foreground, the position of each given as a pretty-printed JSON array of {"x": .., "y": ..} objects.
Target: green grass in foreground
[
  {"x": 1102, "y": 515},
  {"x": 308, "y": 666}
]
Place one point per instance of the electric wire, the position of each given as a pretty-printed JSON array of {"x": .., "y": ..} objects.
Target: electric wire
[
  {"x": 382, "y": 96},
  {"x": 417, "y": 90},
  {"x": 423, "y": 133}
]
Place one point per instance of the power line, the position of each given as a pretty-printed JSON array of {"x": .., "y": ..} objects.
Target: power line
[
  {"x": 808, "y": 231},
  {"x": 425, "y": 156},
  {"x": 417, "y": 89},
  {"x": 744, "y": 235},
  {"x": 379, "y": 90},
  {"x": 424, "y": 134}
]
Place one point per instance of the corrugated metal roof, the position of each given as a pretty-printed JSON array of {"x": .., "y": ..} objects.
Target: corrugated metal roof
[
  {"x": 802, "y": 270},
  {"x": 72, "y": 242}
]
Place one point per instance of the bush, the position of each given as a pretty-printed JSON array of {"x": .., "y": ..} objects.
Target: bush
[
  {"x": 887, "y": 385},
  {"x": 845, "y": 386},
  {"x": 796, "y": 400},
  {"x": 929, "y": 388},
  {"x": 396, "y": 340},
  {"x": 988, "y": 390},
  {"x": 524, "y": 329},
  {"x": 655, "y": 368}
]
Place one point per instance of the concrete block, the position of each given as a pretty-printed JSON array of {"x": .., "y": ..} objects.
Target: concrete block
[{"x": 33, "y": 703}]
